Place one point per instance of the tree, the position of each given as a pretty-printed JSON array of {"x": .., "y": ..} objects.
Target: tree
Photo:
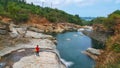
[
  {"x": 98, "y": 20},
  {"x": 111, "y": 21},
  {"x": 5, "y": 5}
]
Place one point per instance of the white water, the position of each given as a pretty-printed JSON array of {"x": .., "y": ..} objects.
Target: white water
[{"x": 67, "y": 63}]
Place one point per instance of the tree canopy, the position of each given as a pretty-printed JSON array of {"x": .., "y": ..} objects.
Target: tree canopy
[{"x": 19, "y": 11}]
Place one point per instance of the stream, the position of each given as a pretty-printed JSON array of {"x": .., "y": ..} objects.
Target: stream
[{"x": 71, "y": 45}]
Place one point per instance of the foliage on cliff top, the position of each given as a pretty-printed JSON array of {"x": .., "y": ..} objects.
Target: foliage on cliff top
[
  {"x": 109, "y": 24},
  {"x": 19, "y": 11}
]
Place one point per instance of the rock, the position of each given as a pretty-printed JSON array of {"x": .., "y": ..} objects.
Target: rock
[
  {"x": 55, "y": 42},
  {"x": 3, "y": 27},
  {"x": 81, "y": 29},
  {"x": 94, "y": 51},
  {"x": 36, "y": 35},
  {"x": 21, "y": 30},
  {"x": 44, "y": 43},
  {"x": 91, "y": 55},
  {"x": 32, "y": 34},
  {"x": 45, "y": 60},
  {"x": 2, "y": 64},
  {"x": 101, "y": 37},
  {"x": 35, "y": 29},
  {"x": 7, "y": 67},
  {"x": 13, "y": 32},
  {"x": 21, "y": 50},
  {"x": 47, "y": 36},
  {"x": 11, "y": 27},
  {"x": 58, "y": 30},
  {"x": 3, "y": 32},
  {"x": 13, "y": 35}
]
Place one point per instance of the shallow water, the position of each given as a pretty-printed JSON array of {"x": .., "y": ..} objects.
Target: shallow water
[{"x": 71, "y": 45}]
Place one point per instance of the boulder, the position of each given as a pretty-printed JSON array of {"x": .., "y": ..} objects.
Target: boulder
[
  {"x": 3, "y": 32},
  {"x": 11, "y": 27},
  {"x": 21, "y": 30},
  {"x": 91, "y": 55},
  {"x": 81, "y": 29},
  {"x": 93, "y": 51},
  {"x": 13, "y": 32}
]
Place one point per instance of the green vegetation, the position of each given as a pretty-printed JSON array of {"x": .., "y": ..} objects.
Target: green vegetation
[
  {"x": 113, "y": 43},
  {"x": 19, "y": 11},
  {"x": 112, "y": 20},
  {"x": 97, "y": 20},
  {"x": 111, "y": 25},
  {"x": 109, "y": 22},
  {"x": 116, "y": 47},
  {"x": 86, "y": 22}
]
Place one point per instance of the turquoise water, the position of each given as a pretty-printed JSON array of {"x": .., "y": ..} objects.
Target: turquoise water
[{"x": 70, "y": 46}]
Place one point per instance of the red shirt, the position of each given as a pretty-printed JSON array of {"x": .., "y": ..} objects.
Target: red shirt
[{"x": 37, "y": 49}]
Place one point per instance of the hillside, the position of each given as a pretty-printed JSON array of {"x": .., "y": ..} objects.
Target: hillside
[
  {"x": 20, "y": 11},
  {"x": 109, "y": 26}
]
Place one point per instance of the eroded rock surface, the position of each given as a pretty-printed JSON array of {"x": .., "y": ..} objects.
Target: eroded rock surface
[
  {"x": 94, "y": 51},
  {"x": 45, "y": 60},
  {"x": 48, "y": 58}
]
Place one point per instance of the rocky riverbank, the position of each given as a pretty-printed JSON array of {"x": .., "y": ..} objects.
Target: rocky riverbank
[
  {"x": 101, "y": 37},
  {"x": 22, "y": 55},
  {"x": 93, "y": 53}
]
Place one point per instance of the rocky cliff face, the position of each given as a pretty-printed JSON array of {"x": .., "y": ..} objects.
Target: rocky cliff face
[{"x": 101, "y": 37}]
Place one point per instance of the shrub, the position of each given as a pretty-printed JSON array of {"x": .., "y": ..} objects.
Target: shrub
[{"x": 116, "y": 47}]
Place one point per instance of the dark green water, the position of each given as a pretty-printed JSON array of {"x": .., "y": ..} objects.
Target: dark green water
[{"x": 71, "y": 45}]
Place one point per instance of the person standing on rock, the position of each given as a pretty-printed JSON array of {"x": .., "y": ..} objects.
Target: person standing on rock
[{"x": 37, "y": 50}]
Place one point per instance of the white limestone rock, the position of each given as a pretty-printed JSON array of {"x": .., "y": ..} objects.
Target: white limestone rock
[
  {"x": 45, "y": 60},
  {"x": 94, "y": 51}
]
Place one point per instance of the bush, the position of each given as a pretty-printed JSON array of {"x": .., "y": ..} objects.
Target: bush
[
  {"x": 116, "y": 47},
  {"x": 21, "y": 17},
  {"x": 113, "y": 43}
]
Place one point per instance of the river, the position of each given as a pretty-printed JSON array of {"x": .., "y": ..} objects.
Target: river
[{"x": 71, "y": 45}]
